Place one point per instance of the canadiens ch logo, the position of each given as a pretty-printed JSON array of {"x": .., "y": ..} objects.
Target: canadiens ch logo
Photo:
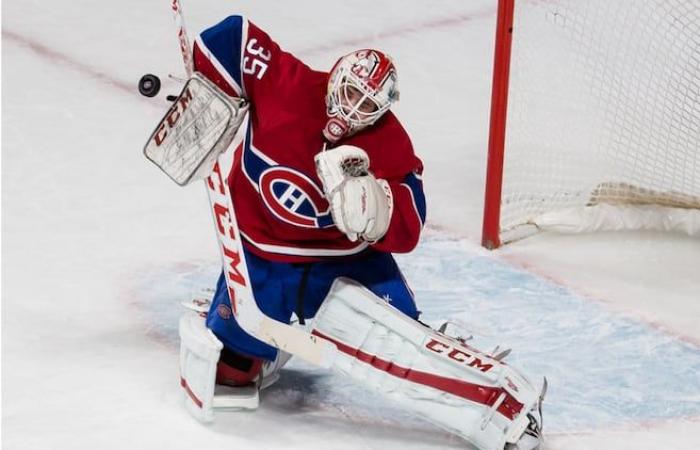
[{"x": 294, "y": 198}]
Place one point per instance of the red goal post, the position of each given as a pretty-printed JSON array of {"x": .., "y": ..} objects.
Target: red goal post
[{"x": 595, "y": 118}]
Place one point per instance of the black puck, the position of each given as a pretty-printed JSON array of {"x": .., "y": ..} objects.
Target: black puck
[{"x": 149, "y": 85}]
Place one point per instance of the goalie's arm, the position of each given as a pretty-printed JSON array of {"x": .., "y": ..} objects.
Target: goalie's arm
[
  {"x": 244, "y": 61},
  {"x": 408, "y": 215},
  {"x": 388, "y": 212},
  {"x": 217, "y": 55}
]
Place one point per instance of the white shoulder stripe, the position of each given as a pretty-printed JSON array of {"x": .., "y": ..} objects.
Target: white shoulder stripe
[
  {"x": 260, "y": 154},
  {"x": 297, "y": 251},
  {"x": 244, "y": 42}
]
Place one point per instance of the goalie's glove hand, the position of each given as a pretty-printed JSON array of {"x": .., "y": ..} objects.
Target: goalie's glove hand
[
  {"x": 362, "y": 208},
  {"x": 361, "y": 204}
]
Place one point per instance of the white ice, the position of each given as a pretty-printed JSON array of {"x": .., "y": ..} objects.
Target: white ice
[{"x": 99, "y": 247}]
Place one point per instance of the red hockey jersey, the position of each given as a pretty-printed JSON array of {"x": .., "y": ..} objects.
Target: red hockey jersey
[{"x": 280, "y": 206}]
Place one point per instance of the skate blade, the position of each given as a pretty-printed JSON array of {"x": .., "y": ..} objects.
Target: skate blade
[{"x": 243, "y": 397}]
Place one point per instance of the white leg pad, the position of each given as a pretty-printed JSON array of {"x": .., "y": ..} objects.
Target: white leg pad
[
  {"x": 199, "y": 354},
  {"x": 443, "y": 380}
]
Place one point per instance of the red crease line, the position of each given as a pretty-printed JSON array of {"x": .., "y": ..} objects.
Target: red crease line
[{"x": 61, "y": 58}]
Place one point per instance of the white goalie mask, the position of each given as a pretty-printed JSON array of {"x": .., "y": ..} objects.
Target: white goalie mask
[{"x": 361, "y": 88}]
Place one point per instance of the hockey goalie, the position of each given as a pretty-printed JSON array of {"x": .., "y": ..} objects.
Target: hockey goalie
[{"x": 309, "y": 204}]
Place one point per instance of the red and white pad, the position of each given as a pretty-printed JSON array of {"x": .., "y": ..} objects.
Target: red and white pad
[
  {"x": 442, "y": 379},
  {"x": 200, "y": 352},
  {"x": 199, "y": 356}
]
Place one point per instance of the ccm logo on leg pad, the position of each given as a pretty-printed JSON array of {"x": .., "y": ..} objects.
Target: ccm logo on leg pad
[{"x": 459, "y": 355}]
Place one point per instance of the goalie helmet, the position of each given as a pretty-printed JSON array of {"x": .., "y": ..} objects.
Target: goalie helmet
[{"x": 361, "y": 87}]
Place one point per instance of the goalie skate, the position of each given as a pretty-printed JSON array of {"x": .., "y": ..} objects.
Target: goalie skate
[
  {"x": 247, "y": 397},
  {"x": 532, "y": 438},
  {"x": 200, "y": 353}
]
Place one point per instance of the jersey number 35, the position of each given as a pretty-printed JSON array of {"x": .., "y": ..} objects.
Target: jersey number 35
[{"x": 255, "y": 61}]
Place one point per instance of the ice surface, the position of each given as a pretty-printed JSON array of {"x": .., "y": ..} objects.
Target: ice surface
[
  {"x": 596, "y": 361},
  {"x": 99, "y": 247}
]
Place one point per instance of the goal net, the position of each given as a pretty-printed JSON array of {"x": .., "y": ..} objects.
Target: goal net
[{"x": 596, "y": 115}]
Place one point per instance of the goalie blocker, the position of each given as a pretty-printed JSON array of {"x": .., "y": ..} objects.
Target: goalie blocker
[{"x": 198, "y": 127}]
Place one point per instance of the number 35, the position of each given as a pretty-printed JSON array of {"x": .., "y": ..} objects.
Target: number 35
[{"x": 256, "y": 63}]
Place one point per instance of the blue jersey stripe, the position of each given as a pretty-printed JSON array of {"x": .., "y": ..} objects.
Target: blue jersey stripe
[
  {"x": 416, "y": 187},
  {"x": 253, "y": 165},
  {"x": 224, "y": 41}
]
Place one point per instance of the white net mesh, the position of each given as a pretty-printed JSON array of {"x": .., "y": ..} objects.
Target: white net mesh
[{"x": 604, "y": 106}]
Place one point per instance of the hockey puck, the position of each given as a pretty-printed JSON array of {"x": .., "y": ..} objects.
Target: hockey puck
[{"x": 149, "y": 85}]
